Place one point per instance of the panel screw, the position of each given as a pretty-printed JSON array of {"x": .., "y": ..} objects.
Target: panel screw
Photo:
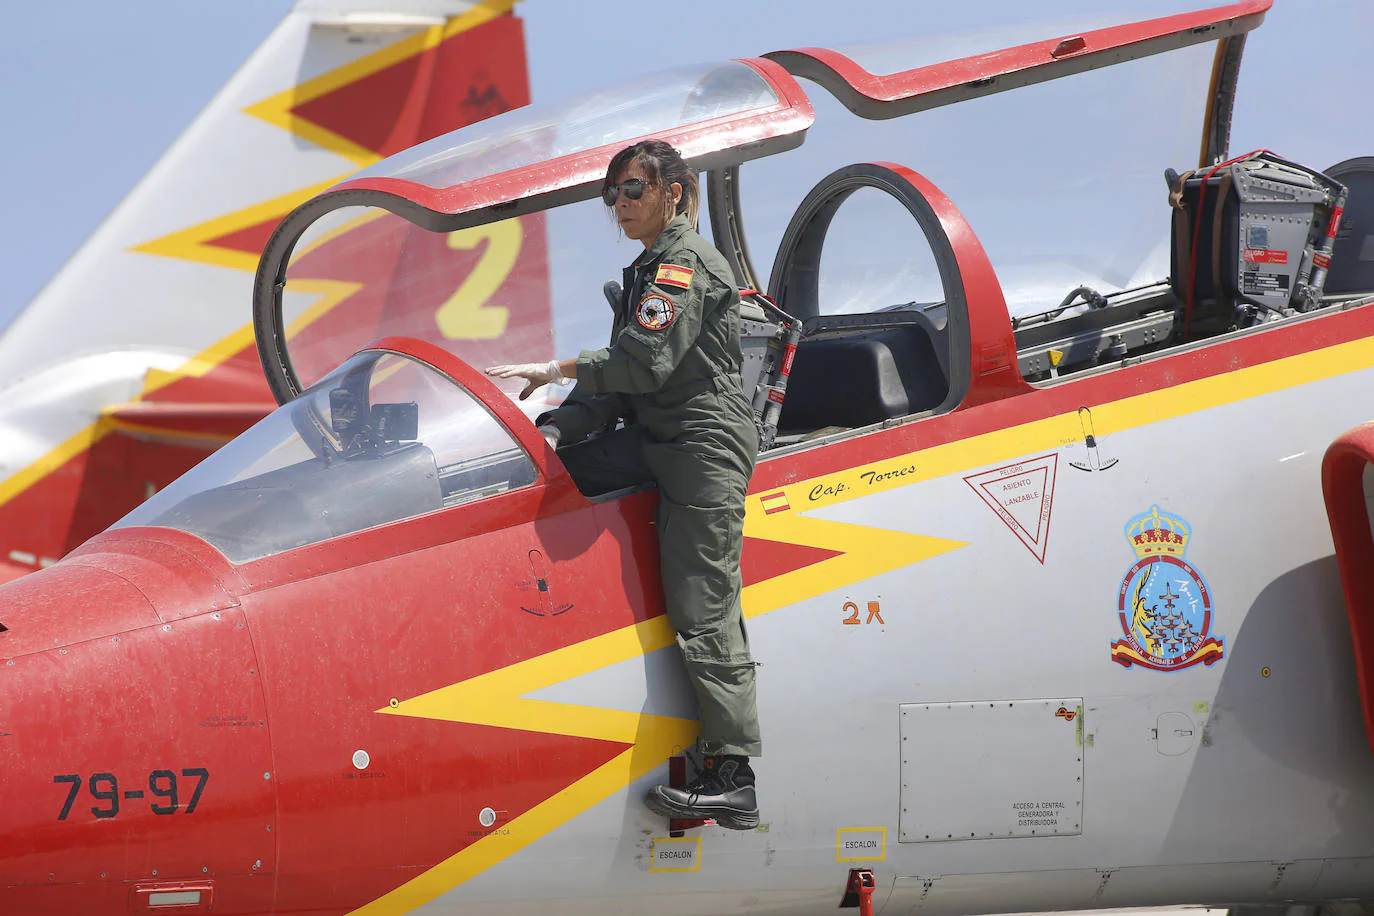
[{"x": 266, "y": 775}]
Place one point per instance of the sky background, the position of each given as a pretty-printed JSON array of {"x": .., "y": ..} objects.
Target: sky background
[{"x": 92, "y": 94}]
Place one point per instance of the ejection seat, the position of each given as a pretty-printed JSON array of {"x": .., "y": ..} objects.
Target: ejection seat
[{"x": 856, "y": 370}]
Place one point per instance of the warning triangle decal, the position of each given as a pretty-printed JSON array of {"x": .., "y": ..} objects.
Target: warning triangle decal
[{"x": 1022, "y": 495}]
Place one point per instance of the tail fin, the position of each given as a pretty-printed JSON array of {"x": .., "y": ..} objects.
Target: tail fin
[{"x": 153, "y": 311}]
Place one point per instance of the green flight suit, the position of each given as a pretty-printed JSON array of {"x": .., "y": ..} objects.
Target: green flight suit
[{"x": 672, "y": 372}]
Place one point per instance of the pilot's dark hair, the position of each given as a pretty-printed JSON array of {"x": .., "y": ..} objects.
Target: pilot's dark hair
[{"x": 664, "y": 165}]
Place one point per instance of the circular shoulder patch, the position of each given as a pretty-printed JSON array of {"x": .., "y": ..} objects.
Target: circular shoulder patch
[{"x": 656, "y": 311}]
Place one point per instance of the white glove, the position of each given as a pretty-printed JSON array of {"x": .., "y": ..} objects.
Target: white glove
[
  {"x": 536, "y": 374},
  {"x": 551, "y": 434}
]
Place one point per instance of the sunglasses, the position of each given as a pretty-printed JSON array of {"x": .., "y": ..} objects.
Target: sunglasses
[{"x": 633, "y": 188}]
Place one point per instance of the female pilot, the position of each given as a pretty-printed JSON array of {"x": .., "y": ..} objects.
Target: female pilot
[{"x": 672, "y": 372}]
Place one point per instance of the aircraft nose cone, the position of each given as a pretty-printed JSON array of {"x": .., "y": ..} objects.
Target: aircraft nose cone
[{"x": 65, "y": 604}]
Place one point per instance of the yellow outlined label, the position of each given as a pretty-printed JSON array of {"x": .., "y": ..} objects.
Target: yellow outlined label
[
  {"x": 676, "y": 854},
  {"x": 861, "y": 844}
]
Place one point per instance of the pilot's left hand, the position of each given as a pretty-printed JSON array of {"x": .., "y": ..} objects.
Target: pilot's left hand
[{"x": 536, "y": 374}]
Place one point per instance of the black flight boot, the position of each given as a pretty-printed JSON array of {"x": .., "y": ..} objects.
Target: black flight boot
[{"x": 723, "y": 791}]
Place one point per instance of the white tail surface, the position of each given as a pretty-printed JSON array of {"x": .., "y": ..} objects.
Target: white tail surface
[{"x": 137, "y": 358}]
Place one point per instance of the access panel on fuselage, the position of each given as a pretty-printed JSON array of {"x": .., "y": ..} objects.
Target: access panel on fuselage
[{"x": 984, "y": 769}]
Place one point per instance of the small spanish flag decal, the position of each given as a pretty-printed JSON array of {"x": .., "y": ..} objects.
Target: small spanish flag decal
[
  {"x": 774, "y": 502},
  {"x": 672, "y": 275}
]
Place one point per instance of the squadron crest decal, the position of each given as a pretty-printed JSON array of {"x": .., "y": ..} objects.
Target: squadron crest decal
[
  {"x": 1164, "y": 603},
  {"x": 655, "y": 312}
]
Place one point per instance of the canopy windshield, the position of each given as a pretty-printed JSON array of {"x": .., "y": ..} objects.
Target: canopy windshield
[
  {"x": 487, "y": 242},
  {"x": 899, "y": 55},
  {"x": 383, "y": 438},
  {"x": 546, "y": 155},
  {"x": 1062, "y": 181},
  {"x": 890, "y": 78},
  {"x": 659, "y": 103},
  {"x": 468, "y": 241}
]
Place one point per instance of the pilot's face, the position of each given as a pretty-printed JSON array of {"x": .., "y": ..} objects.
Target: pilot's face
[{"x": 645, "y": 218}]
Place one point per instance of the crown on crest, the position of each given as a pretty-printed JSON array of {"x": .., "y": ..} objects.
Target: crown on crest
[{"x": 1156, "y": 533}]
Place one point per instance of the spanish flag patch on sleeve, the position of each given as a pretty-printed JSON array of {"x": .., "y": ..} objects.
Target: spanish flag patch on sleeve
[{"x": 672, "y": 275}]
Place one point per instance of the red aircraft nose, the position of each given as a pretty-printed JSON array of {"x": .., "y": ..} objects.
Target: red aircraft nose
[{"x": 134, "y": 753}]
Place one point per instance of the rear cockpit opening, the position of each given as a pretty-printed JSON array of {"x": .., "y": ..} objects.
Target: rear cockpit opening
[
  {"x": 1253, "y": 241},
  {"x": 875, "y": 361}
]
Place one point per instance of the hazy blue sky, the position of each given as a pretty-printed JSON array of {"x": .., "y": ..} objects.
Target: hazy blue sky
[{"x": 93, "y": 93}]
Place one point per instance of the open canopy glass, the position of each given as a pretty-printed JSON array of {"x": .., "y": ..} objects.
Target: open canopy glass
[{"x": 488, "y": 241}]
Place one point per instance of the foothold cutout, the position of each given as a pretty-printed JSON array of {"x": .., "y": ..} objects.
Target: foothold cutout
[{"x": 174, "y": 898}]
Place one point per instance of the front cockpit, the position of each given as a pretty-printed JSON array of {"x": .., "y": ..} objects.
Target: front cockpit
[{"x": 384, "y": 437}]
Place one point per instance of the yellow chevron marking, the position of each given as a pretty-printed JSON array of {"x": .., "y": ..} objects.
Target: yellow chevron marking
[
  {"x": 198, "y": 365},
  {"x": 278, "y": 110},
  {"x": 331, "y": 292},
  {"x": 190, "y": 244},
  {"x": 65, "y": 451},
  {"x": 184, "y": 438},
  {"x": 865, "y": 553},
  {"x": 498, "y": 698}
]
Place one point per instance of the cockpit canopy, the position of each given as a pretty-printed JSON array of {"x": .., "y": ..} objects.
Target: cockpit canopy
[
  {"x": 661, "y": 102},
  {"x": 384, "y": 437},
  {"x": 488, "y": 242}
]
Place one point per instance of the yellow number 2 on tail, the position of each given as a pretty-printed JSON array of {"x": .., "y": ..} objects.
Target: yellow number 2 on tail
[{"x": 466, "y": 314}]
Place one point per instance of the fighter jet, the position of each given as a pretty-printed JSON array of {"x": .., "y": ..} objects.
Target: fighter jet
[{"x": 380, "y": 655}]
